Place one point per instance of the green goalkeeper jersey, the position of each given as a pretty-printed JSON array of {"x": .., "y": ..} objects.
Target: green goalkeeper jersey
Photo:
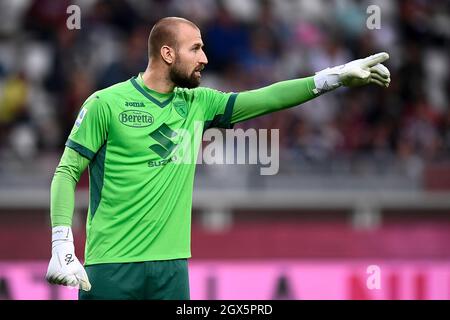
[{"x": 142, "y": 147}]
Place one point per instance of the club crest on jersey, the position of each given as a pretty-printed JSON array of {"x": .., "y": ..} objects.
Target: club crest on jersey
[
  {"x": 80, "y": 117},
  {"x": 181, "y": 107}
]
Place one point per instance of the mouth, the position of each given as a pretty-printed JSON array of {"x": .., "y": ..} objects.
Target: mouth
[{"x": 198, "y": 71}]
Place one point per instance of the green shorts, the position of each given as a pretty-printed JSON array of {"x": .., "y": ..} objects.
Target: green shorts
[{"x": 150, "y": 280}]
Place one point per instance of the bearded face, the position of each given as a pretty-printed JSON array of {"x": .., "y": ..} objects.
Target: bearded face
[
  {"x": 186, "y": 58},
  {"x": 183, "y": 76}
]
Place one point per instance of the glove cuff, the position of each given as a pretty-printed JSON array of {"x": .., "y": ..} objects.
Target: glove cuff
[
  {"x": 326, "y": 80},
  {"x": 62, "y": 233}
]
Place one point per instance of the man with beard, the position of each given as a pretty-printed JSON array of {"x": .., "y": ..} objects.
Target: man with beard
[{"x": 130, "y": 134}]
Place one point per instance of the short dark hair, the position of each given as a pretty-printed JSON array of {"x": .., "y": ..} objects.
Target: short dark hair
[{"x": 164, "y": 32}]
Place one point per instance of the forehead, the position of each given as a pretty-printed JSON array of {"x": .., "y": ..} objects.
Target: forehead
[{"x": 188, "y": 35}]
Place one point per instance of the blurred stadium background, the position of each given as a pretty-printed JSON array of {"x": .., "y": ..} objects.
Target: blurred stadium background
[{"x": 364, "y": 174}]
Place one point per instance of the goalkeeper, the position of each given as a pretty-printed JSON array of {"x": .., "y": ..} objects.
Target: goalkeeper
[{"x": 139, "y": 219}]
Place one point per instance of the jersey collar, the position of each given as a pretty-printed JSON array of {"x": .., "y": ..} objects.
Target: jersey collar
[{"x": 160, "y": 99}]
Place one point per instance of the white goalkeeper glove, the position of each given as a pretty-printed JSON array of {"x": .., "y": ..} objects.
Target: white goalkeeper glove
[
  {"x": 64, "y": 267},
  {"x": 355, "y": 73}
]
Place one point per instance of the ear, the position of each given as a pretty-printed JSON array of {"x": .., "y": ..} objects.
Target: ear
[{"x": 168, "y": 54}]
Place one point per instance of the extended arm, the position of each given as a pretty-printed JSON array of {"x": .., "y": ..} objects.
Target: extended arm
[
  {"x": 278, "y": 96},
  {"x": 286, "y": 94}
]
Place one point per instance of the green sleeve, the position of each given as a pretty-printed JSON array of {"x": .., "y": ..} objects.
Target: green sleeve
[
  {"x": 62, "y": 191},
  {"x": 217, "y": 107},
  {"x": 278, "y": 96},
  {"x": 90, "y": 130}
]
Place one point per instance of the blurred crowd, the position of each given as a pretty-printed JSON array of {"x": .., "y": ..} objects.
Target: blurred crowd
[{"x": 47, "y": 70}]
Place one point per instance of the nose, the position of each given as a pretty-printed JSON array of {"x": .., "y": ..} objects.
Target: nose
[{"x": 203, "y": 58}]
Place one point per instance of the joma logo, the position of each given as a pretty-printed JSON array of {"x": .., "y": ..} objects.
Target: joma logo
[{"x": 134, "y": 104}]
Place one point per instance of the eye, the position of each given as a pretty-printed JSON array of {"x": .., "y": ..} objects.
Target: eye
[{"x": 196, "y": 47}]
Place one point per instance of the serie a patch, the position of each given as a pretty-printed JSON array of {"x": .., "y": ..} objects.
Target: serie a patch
[{"x": 80, "y": 117}]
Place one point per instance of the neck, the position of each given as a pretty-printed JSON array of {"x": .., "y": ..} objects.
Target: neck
[{"x": 157, "y": 79}]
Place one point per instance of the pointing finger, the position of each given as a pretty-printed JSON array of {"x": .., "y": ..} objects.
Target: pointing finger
[{"x": 375, "y": 59}]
